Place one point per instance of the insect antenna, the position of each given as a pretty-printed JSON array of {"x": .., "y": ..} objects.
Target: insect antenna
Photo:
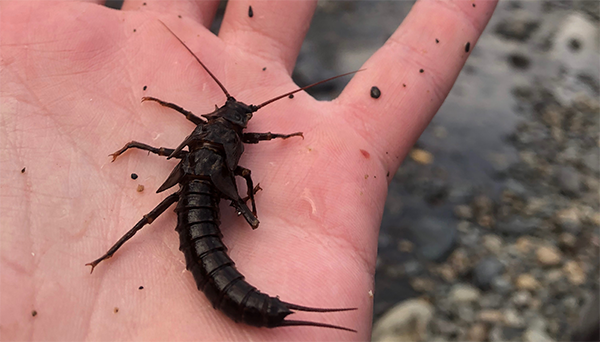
[
  {"x": 257, "y": 107},
  {"x": 254, "y": 107},
  {"x": 198, "y": 59},
  {"x": 314, "y": 324}
]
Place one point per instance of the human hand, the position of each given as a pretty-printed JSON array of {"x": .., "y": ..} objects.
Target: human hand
[{"x": 73, "y": 75}]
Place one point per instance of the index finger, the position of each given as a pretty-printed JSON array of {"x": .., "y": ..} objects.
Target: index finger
[{"x": 414, "y": 72}]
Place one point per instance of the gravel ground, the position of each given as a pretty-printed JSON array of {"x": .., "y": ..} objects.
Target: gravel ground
[{"x": 491, "y": 226}]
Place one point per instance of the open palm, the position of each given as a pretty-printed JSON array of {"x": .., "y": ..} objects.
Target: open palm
[{"x": 73, "y": 75}]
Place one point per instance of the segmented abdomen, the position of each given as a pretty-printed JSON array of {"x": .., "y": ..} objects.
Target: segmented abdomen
[{"x": 206, "y": 257}]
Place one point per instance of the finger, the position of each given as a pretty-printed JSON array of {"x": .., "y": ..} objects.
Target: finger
[
  {"x": 201, "y": 11},
  {"x": 275, "y": 31},
  {"x": 414, "y": 71},
  {"x": 35, "y": 3}
]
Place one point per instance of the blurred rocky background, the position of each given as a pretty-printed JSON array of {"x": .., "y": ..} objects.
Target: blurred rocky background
[{"x": 491, "y": 228}]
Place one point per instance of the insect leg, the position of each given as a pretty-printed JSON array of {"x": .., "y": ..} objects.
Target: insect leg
[
  {"x": 254, "y": 138},
  {"x": 161, "y": 151},
  {"x": 257, "y": 188},
  {"x": 188, "y": 115},
  {"x": 246, "y": 173},
  {"x": 148, "y": 218}
]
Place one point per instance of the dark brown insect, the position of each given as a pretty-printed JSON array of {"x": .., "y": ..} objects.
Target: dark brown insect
[
  {"x": 468, "y": 45},
  {"x": 250, "y": 12},
  {"x": 205, "y": 174}
]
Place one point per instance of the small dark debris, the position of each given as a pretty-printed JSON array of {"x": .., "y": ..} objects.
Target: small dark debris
[
  {"x": 291, "y": 96},
  {"x": 134, "y": 30},
  {"x": 144, "y": 4},
  {"x": 265, "y": 68},
  {"x": 473, "y": 5},
  {"x": 468, "y": 47},
  {"x": 115, "y": 310},
  {"x": 574, "y": 44},
  {"x": 250, "y": 12},
  {"x": 23, "y": 170},
  {"x": 388, "y": 174},
  {"x": 179, "y": 16},
  {"x": 404, "y": 85},
  {"x": 437, "y": 40},
  {"x": 33, "y": 313},
  {"x": 134, "y": 176},
  {"x": 140, "y": 188},
  {"x": 375, "y": 92},
  {"x": 145, "y": 87},
  {"x": 421, "y": 71},
  {"x": 374, "y": 176},
  {"x": 140, "y": 288}
]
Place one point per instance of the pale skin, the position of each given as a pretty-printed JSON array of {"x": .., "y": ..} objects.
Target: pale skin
[{"x": 72, "y": 77}]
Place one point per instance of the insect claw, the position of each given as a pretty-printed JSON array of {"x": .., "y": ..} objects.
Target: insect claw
[{"x": 93, "y": 264}]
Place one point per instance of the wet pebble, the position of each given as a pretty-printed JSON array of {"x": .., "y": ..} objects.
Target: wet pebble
[
  {"x": 466, "y": 313},
  {"x": 526, "y": 281},
  {"x": 513, "y": 318},
  {"x": 486, "y": 271},
  {"x": 421, "y": 156},
  {"x": 501, "y": 285},
  {"x": 463, "y": 211},
  {"x": 478, "y": 332},
  {"x": 413, "y": 268},
  {"x": 407, "y": 321},
  {"x": 517, "y": 28},
  {"x": 591, "y": 160},
  {"x": 532, "y": 335},
  {"x": 521, "y": 299},
  {"x": 422, "y": 284},
  {"x": 523, "y": 245},
  {"x": 490, "y": 316},
  {"x": 516, "y": 188},
  {"x": 491, "y": 300},
  {"x": 567, "y": 240},
  {"x": 575, "y": 274},
  {"x": 463, "y": 293},
  {"x": 548, "y": 255},
  {"x": 568, "y": 220},
  {"x": 518, "y": 225},
  {"x": 568, "y": 181},
  {"x": 493, "y": 243},
  {"x": 433, "y": 237}
]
